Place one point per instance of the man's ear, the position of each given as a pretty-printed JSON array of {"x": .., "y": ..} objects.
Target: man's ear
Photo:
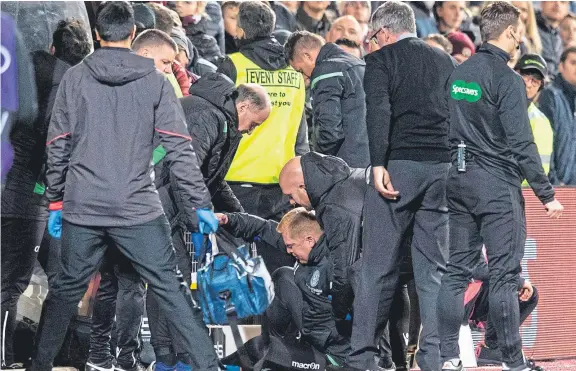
[
  {"x": 52, "y": 49},
  {"x": 133, "y": 35}
]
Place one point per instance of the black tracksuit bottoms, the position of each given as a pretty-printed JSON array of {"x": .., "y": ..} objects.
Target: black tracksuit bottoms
[
  {"x": 481, "y": 312},
  {"x": 422, "y": 203},
  {"x": 164, "y": 336},
  {"x": 484, "y": 209},
  {"x": 121, "y": 296},
  {"x": 20, "y": 245},
  {"x": 148, "y": 246}
]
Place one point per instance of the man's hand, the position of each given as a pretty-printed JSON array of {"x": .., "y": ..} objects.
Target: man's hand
[
  {"x": 526, "y": 292},
  {"x": 554, "y": 209},
  {"x": 222, "y": 218},
  {"x": 383, "y": 184}
]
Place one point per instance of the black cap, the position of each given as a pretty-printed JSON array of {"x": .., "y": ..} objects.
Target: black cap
[{"x": 532, "y": 62}]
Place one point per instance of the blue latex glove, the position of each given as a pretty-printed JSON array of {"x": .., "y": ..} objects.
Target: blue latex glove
[
  {"x": 207, "y": 221},
  {"x": 198, "y": 241},
  {"x": 55, "y": 224}
]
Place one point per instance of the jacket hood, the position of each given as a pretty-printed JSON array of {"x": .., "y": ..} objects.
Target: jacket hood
[
  {"x": 118, "y": 66},
  {"x": 49, "y": 70},
  {"x": 319, "y": 251},
  {"x": 321, "y": 174},
  {"x": 266, "y": 52},
  {"x": 219, "y": 90}
]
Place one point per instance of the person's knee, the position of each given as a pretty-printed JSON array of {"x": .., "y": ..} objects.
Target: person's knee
[{"x": 282, "y": 278}]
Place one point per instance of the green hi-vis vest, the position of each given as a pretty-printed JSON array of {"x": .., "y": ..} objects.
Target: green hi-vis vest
[
  {"x": 543, "y": 136},
  {"x": 261, "y": 156}
]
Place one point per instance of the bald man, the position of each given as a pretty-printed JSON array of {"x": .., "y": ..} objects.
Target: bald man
[
  {"x": 337, "y": 95},
  {"x": 217, "y": 114},
  {"x": 346, "y": 27},
  {"x": 336, "y": 193}
]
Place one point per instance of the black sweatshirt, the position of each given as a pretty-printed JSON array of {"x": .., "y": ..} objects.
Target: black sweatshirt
[
  {"x": 488, "y": 113},
  {"x": 407, "y": 113}
]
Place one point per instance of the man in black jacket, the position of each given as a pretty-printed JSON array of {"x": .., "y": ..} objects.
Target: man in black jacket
[
  {"x": 106, "y": 113},
  {"x": 217, "y": 114},
  {"x": 336, "y": 193},
  {"x": 24, "y": 209},
  {"x": 338, "y": 99},
  {"x": 407, "y": 120},
  {"x": 493, "y": 150},
  {"x": 302, "y": 293}
]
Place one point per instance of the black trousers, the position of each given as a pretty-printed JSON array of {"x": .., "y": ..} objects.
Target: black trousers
[
  {"x": 20, "y": 241},
  {"x": 481, "y": 313},
  {"x": 263, "y": 200},
  {"x": 121, "y": 296},
  {"x": 149, "y": 248},
  {"x": 284, "y": 315},
  {"x": 422, "y": 203},
  {"x": 392, "y": 344},
  {"x": 483, "y": 209},
  {"x": 164, "y": 336}
]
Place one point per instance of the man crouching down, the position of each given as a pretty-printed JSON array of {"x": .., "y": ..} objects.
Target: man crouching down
[{"x": 302, "y": 293}]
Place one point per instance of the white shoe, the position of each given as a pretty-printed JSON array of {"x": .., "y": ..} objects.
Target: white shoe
[{"x": 453, "y": 365}]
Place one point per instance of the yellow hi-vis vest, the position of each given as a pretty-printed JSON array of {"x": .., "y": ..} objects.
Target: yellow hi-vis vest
[
  {"x": 543, "y": 136},
  {"x": 261, "y": 156}
]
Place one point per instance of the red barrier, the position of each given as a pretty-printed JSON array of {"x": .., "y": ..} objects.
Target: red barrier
[{"x": 550, "y": 264}]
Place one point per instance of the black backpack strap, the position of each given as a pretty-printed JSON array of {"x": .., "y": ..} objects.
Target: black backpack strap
[{"x": 240, "y": 348}]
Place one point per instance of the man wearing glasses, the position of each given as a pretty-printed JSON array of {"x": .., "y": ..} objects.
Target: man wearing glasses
[{"x": 407, "y": 121}]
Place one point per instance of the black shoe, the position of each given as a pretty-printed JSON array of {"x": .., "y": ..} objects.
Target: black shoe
[
  {"x": 488, "y": 356},
  {"x": 452, "y": 365},
  {"x": 386, "y": 365},
  {"x": 95, "y": 366},
  {"x": 13, "y": 366},
  {"x": 529, "y": 366},
  {"x": 137, "y": 367}
]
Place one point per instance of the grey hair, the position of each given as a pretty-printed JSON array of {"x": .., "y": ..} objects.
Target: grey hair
[
  {"x": 394, "y": 15},
  {"x": 256, "y": 19},
  {"x": 248, "y": 93}
]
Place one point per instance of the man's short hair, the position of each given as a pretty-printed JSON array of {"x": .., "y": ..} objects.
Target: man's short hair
[
  {"x": 256, "y": 19},
  {"x": 153, "y": 39},
  {"x": 394, "y": 15},
  {"x": 495, "y": 19},
  {"x": 115, "y": 20},
  {"x": 71, "y": 41},
  {"x": 566, "y": 53},
  {"x": 299, "y": 222},
  {"x": 349, "y": 43},
  {"x": 442, "y": 41},
  {"x": 299, "y": 41},
  {"x": 143, "y": 17},
  {"x": 164, "y": 20},
  {"x": 229, "y": 4},
  {"x": 247, "y": 93}
]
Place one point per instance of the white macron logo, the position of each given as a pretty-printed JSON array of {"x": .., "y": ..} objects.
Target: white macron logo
[{"x": 306, "y": 366}]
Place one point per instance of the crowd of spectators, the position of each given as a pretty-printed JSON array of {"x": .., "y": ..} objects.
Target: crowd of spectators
[{"x": 548, "y": 29}]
